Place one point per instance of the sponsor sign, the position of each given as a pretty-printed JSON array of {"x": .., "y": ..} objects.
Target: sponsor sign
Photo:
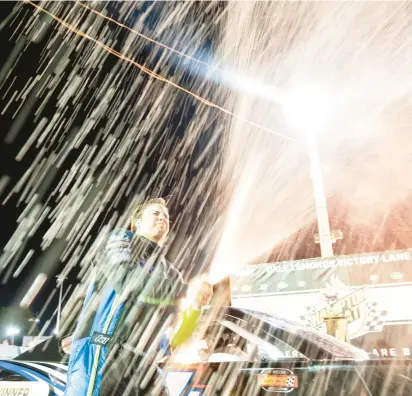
[
  {"x": 391, "y": 267},
  {"x": 364, "y": 288},
  {"x": 20, "y": 388},
  {"x": 340, "y": 261},
  {"x": 278, "y": 380},
  {"x": 392, "y": 352},
  {"x": 363, "y": 315},
  {"x": 393, "y": 342}
]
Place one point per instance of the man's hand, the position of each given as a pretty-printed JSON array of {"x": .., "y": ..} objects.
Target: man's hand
[{"x": 199, "y": 292}]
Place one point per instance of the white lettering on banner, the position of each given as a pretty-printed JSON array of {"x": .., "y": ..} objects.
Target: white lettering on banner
[
  {"x": 302, "y": 265},
  {"x": 392, "y": 352}
]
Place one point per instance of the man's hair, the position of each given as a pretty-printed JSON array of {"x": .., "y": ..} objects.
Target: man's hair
[{"x": 138, "y": 212}]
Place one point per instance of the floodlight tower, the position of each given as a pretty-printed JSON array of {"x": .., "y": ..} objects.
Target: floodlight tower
[
  {"x": 305, "y": 109},
  {"x": 325, "y": 238}
]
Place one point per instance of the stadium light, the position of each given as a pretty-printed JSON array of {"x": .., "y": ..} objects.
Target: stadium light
[
  {"x": 306, "y": 107},
  {"x": 13, "y": 331}
]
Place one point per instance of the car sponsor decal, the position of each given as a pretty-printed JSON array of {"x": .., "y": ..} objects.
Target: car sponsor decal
[
  {"x": 278, "y": 380},
  {"x": 20, "y": 388}
]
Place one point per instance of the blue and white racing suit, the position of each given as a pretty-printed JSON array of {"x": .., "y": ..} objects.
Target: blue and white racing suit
[{"x": 133, "y": 279}]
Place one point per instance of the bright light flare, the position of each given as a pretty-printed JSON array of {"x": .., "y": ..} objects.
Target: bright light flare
[
  {"x": 190, "y": 352},
  {"x": 306, "y": 107},
  {"x": 253, "y": 86},
  {"x": 12, "y": 331}
]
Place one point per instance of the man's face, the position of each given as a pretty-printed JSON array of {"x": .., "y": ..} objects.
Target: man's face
[{"x": 154, "y": 223}]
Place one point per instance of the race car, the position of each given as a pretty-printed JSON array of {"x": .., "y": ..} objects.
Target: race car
[
  {"x": 241, "y": 352},
  {"x": 42, "y": 371}
]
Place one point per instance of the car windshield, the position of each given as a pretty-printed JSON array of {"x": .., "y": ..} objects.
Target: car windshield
[
  {"x": 224, "y": 340},
  {"x": 339, "y": 349}
]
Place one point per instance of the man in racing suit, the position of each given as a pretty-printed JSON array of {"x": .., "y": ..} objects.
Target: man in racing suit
[{"x": 127, "y": 308}]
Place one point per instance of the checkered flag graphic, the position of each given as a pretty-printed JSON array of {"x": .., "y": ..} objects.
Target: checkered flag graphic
[
  {"x": 371, "y": 306},
  {"x": 309, "y": 311},
  {"x": 291, "y": 381},
  {"x": 376, "y": 318}
]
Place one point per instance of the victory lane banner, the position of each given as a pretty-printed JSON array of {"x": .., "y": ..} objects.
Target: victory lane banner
[
  {"x": 390, "y": 267},
  {"x": 362, "y": 288}
]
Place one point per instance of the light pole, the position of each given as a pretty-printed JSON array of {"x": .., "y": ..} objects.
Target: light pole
[
  {"x": 322, "y": 215},
  {"x": 13, "y": 331},
  {"x": 305, "y": 108}
]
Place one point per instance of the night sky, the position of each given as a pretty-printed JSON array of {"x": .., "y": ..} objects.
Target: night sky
[
  {"x": 389, "y": 230},
  {"x": 12, "y": 292}
]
